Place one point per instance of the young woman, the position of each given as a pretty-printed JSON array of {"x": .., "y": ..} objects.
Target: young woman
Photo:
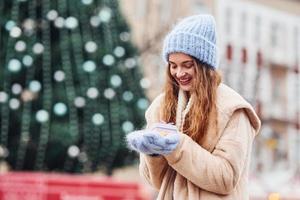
[{"x": 206, "y": 154}]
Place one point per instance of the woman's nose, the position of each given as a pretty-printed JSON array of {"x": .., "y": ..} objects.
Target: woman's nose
[{"x": 180, "y": 73}]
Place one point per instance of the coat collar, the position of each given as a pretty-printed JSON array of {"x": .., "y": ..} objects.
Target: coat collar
[{"x": 228, "y": 101}]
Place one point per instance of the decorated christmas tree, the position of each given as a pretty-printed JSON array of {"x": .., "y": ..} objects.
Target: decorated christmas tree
[{"x": 70, "y": 86}]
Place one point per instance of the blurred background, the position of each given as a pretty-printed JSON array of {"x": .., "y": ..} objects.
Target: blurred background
[{"x": 76, "y": 76}]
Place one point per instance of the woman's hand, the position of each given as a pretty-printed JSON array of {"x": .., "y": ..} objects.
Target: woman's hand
[{"x": 152, "y": 141}]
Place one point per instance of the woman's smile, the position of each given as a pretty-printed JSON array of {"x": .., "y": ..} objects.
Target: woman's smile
[{"x": 185, "y": 81}]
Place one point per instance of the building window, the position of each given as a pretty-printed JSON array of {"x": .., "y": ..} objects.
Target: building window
[
  {"x": 296, "y": 48},
  {"x": 274, "y": 34},
  {"x": 279, "y": 93},
  {"x": 259, "y": 59},
  {"x": 243, "y": 24},
  {"x": 229, "y": 52},
  {"x": 228, "y": 20},
  {"x": 244, "y": 55},
  {"x": 258, "y": 29}
]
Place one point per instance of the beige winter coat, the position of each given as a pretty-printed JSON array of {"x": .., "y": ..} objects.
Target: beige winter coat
[{"x": 218, "y": 169}]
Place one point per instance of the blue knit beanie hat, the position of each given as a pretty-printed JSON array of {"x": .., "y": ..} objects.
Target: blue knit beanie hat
[{"x": 195, "y": 36}]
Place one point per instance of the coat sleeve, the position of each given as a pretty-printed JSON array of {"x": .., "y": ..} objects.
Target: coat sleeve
[
  {"x": 153, "y": 169},
  {"x": 219, "y": 171}
]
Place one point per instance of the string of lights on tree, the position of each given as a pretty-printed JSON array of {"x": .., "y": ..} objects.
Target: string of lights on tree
[{"x": 70, "y": 85}]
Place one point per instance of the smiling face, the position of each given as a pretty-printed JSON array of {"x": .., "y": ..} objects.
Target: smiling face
[{"x": 182, "y": 69}]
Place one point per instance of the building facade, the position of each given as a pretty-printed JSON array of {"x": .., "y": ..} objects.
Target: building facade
[{"x": 259, "y": 57}]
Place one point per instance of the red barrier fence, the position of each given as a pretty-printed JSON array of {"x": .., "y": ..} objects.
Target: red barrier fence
[{"x": 43, "y": 186}]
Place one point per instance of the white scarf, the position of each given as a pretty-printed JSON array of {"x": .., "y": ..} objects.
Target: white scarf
[{"x": 183, "y": 107}]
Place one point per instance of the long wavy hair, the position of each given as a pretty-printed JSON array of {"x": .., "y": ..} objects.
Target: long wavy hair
[{"x": 203, "y": 110}]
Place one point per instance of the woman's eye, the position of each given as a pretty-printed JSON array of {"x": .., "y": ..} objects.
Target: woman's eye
[{"x": 189, "y": 65}]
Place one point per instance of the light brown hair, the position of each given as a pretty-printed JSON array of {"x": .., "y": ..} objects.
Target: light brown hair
[{"x": 203, "y": 110}]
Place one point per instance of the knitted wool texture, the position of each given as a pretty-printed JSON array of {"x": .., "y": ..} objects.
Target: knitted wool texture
[
  {"x": 195, "y": 36},
  {"x": 183, "y": 107}
]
